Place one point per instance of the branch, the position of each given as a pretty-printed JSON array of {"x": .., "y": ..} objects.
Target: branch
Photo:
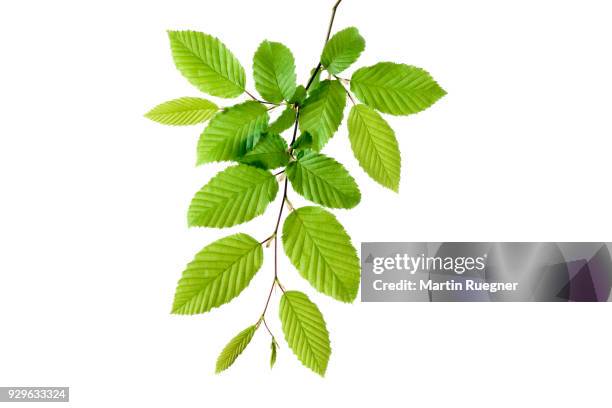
[
  {"x": 329, "y": 30},
  {"x": 274, "y": 235},
  {"x": 313, "y": 76},
  {"x": 331, "y": 21},
  {"x": 259, "y": 100}
]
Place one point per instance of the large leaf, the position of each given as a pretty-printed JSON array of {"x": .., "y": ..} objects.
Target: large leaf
[
  {"x": 234, "y": 348},
  {"x": 233, "y": 132},
  {"x": 235, "y": 195},
  {"x": 342, "y": 50},
  {"x": 270, "y": 152},
  {"x": 374, "y": 145},
  {"x": 324, "y": 181},
  {"x": 397, "y": 89},
  {"x": 217, "y": 274},
  {"x": 274, "y": 72},
  {"x": 305, "y": 331},
  {"x": 322, "y": 112},
  {"x": 283, "y": 122},
  {"x": 321, "y": 250},
  {"x": 183, "y": 111},
  {"x": 207, "y": 63}
]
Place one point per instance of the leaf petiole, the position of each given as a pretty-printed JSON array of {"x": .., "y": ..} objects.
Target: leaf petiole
[
  {"x": 260, "y": 101},
  {"x": 343, "y": 82}
]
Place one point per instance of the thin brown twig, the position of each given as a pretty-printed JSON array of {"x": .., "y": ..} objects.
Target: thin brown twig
[
  {"x": 329, "y": 30},
  {"x": 314, "y": 74},
  {"x": 259, "y": 100},
  {"x": 274, "y": 235},
  {"x": 268, "y": 301},
  {"x": 331, "y": 21},
  {"x": 345, "y": 89},
  {"x": 268, "y": 329}
]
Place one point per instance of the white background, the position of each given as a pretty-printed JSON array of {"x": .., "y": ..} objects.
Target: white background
[{"x": 93, "y": 200}]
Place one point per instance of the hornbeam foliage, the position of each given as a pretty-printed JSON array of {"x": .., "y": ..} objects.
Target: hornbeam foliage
[{"x": 273, "y": 142}]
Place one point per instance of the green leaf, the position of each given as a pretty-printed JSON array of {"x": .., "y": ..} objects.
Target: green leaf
[
  {"x": 397, "y": 89},
  {"x": 183, "y": 111},
  {"x": 273, "y": 354},
  {"x": 321, "y": 250},
  {"x": 274, "y": 72},
  {"x": 231, "y": 133},
  {"x": 235, "y": 195},
  {"x": 342, "y": 50},
  {"x": 324, "y": 181},
  {"x": 283, "y": 122},
  {"x": 298, "y": 96},
  {"x": 322, "y": 112},
  {"x": 374, "y": 145},
  {"x": 270, "y": 152},
  {"x": 304, "y": 141},
  {"x": 305, "y": 331},
  {"x": 207, "y": 63},
  {"x": 218, "y": 274},
  {"x": 234, "y": 348}
]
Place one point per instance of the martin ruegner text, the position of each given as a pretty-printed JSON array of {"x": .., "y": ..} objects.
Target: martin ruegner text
[{"x": 448, "y": 285}]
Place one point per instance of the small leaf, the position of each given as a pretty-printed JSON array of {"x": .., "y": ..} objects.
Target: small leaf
[
  {"x": 183, "y": 111},
  {"x": 324, "y": 181},
  {"x": 274, "y": 72},
  {"x": 270, "y": 152},
  {"x": 235, "y": 195},
  {"x": 234, "y": 348},
  {"x": 322, "y": 112},
  {"x": 218, "y": 274},
  {"x": 273, "y": 354},
  {"x": 305, "y": 331},
  {"x": 321, "y": 250},
  {"x": 231, "y": 133},
  {"x": 397, "y": 89},
  {"x": 207, "y": 63},
  {"x": 298, "y": 96},
  {"x": 304, "y": 141},
  {"x": 342, "y": 50},
  {"x": 283, "y": 122},
  {"x": 374, "y": 145}
]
